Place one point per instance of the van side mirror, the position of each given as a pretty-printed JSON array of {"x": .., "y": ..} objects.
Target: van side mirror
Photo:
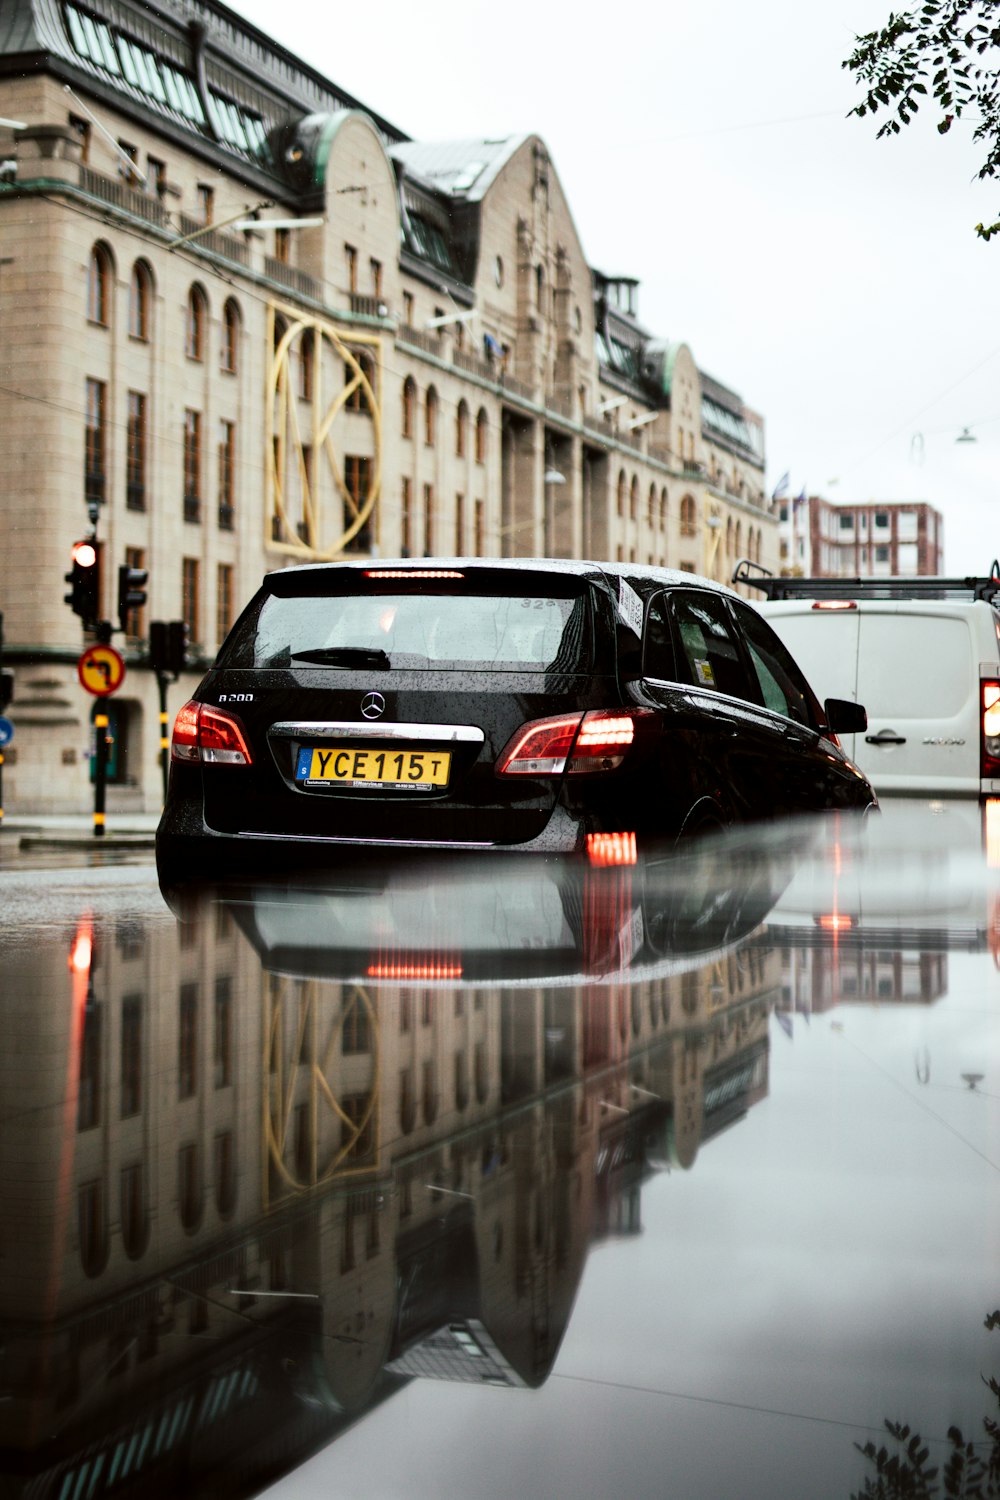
[{"x": 845, "y": 717}]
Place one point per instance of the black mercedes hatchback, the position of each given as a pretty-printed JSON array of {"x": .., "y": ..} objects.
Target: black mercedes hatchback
[{"x": 470, "y": 704}]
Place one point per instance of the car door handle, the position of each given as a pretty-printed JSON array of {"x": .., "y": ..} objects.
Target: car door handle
[{"x": 885, "y": 737}]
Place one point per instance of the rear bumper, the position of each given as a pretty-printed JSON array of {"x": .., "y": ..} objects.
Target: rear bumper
[{"x": 189, "y": 851}]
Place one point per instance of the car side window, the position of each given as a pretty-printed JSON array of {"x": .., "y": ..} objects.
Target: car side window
[
  {"x": 658, "y": 642},
  {"x": 709, "y": 646},
  {"x": 782, "y": 684}
]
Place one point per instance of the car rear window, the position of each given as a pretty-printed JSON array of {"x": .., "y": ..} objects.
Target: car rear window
[
  {"x": 443, "y": 631},
  {"x": 915, "y": 666}
]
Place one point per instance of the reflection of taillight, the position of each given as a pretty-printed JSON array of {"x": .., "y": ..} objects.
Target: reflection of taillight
[
  {"x": 209, "y": 736},
  {"x": 606, "y": 849},
  {"x": 835, "y": 922},
  {"x": 409, "y": 971},
  {"x": 82, "y": 951},
  {"x": 575, "y": 743},
  {"x": 991, "y": 832},
  {"x": 989, "y": 690}
]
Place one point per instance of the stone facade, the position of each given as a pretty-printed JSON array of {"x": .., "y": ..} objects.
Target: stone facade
[{"x": 433, "y": 368}]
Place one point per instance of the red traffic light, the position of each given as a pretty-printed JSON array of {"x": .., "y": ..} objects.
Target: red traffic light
[{"x": 84, "y": 554}]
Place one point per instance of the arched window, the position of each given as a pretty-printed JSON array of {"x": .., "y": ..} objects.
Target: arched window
[
  {"x": 540, "y": 289},
  {"x": 652, "y": 505},
  {"x": 729, "y": 536},
  {"x": 461, "y": 428},
  {"x": 359, "y": 399},
  {"x": 622, "y": 487},
  {"x": 196, "y": 326},
  {"x": 430, "y": 416},
  {"x": 307, "y": 364},
  {"x": 140, "y": 301},
  {"x": 482, "y": 428},
  {"x": 409, "y": 403},
  {"x": 230, "y": 354},
  {"x": 663, "y": 508},
  {"x": 99, "y": 279},
  {"x": 633, "y": 498},
  {"x": 689, "y": 516},
  {"x": 738, "y": 543}
]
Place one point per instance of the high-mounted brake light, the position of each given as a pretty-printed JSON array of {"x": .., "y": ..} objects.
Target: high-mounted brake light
[
  {"x": 575, "y": 743},
  {"x": 408, "y": 971},
  {"x": 834, "y": 604},
  {"x": 989, "y": 690},
  {"x": 412, "y": 573},
  {"x": 209, "y": 736}
]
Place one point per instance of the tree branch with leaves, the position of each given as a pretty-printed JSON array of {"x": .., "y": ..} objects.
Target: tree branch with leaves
[{"x": 945, "y": 53}]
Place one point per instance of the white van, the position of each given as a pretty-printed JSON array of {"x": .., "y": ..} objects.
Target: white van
[{"x": 921, "y": 654}]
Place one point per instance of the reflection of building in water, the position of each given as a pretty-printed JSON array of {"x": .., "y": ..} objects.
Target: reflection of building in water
[
  {"x": 816, "y": 978},
  {"x": 242, "y": 1207}
]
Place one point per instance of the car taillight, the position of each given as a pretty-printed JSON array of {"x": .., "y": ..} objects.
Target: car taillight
[
  {"x": 990, "y": 730},
  {"x": 209, "y": 736},
  {"x": 575, "y": 743}
]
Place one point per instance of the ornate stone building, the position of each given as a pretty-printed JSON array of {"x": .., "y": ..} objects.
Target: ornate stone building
[{"x": 248, "y": 323}]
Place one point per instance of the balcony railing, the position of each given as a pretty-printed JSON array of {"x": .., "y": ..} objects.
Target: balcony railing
[
  {"x": 291, "y": 276},
  {"x": 368, "y": 307},
  {"x": 431, "y": 343},
  {"x": 112, "y": 190},
  {"x": 227, "y": 245}
]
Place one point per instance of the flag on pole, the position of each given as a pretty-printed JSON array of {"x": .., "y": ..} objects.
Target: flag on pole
[
  {"x": 781, "y": 488},
  {"x": 799, "y": 500}
]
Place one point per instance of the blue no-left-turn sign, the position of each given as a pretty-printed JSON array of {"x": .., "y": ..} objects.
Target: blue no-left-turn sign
[{"x": 6, "y": 731}]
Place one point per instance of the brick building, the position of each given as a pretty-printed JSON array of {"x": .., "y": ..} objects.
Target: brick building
[{"x": 248, "y": 323}]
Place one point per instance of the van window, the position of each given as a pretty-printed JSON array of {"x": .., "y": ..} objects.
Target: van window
[{"x": 915, "y": 666}]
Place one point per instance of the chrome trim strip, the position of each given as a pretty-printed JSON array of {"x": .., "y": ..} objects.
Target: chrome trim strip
[
  {"x": 313, "y": 838},
  {"x": 338, "y": 729}
]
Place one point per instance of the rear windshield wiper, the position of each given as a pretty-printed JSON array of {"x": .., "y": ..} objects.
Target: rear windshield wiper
[{"x": 346, "y": 656}]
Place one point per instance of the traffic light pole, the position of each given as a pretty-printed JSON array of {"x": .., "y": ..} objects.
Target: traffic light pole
[{"x": 100, "y": 769}]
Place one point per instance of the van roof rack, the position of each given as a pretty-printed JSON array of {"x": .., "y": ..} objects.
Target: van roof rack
[{"x": 758, "y": 577}]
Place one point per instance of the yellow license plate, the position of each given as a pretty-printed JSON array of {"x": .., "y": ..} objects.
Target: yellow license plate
[{"x": 373, "y": 768}]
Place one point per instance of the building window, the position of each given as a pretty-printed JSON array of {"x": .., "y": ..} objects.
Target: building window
[
  {"x": 689, "y": 516},
  {"x": 406, "y": 518},
  {"x": 95, "y": 442},
  {"x": 357, "y": 481},
  {"x": 91, "y": 1228},
  {"x": 375, "y": 271},
  {"x": 88, "y": 1098},
  {"x": 225, "y": 1174},
  {"x": 351, "y": 261},
  {"x": 187, "y": 1042},
  {"x": 133, "y": 1210},
  {"x": 206, "y": 202},
  {"x": 81, "y": 129},
  {"x": 227, "y": 473},
  {"x": 459, "y": 525},
  {"x": 135, "y": 452},
  {"x": 461, "y": 428},
  {"x": 356, "y": 1030},
  {"x": 135, "y": 620},
  {"x": 128, "y": 163},
  {"x": 131, "y": 1061},
  {"x": 633, "y": 499},
  {"x": 222, "y": 1046},
  {"x": 192, "y": 465},
  {"x": 359, "y": 399},
  {"x": 620, "y": 502},
  {"x": 223, "y": 601},
  {"x": 408, "y": 309},
  {"x": 139, "y": 302},
  {"x": 482, "y": 428},
  {"x": 283, "y": 246},
  {"x": 409, "y": 402},
  {"x": 99, "y": 277},
  {"x": 430, "y": 416},
  {"x": 428, "y": 520},
  {"x": 190, "y": 586},
  {"x": 651, "y": 517},
  {"x": 156, "y": 176},
  {"x": 196, "y": 324},
  {"x": 479, "y": 535},
  {"x": 189, "y": 1187},
  {"x": 230, "y": 353},
  {"x": 307, "y": 364},
  {"x": 663, "y": 508}
]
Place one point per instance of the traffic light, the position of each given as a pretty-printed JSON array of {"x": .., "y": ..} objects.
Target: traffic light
[
  {"x": 177, "y": 633},
  {"x": 84, "y": 579},
  {"x": 131, "y": 592},
  {"x": 6, "y": 686},
  {"x": 167, "y": 646}
]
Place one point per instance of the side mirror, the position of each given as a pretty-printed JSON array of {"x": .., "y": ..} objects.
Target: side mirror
[{"x": 845, "y": 717}]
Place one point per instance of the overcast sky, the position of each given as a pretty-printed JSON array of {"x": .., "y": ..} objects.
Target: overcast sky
[{"x": 833, "y": 280}]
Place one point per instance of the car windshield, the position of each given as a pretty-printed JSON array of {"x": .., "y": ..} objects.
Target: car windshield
[{"x": 485, "y": 632}]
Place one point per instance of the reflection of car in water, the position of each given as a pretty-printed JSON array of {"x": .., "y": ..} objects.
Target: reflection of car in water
[{"x": 518, "y": 922}]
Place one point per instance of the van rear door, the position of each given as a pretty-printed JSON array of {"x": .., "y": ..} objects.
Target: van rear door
[{"x": 918, "y": 677}]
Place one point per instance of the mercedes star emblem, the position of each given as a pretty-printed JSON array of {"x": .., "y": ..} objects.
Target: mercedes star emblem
[{"x": 373, "y": 705}]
